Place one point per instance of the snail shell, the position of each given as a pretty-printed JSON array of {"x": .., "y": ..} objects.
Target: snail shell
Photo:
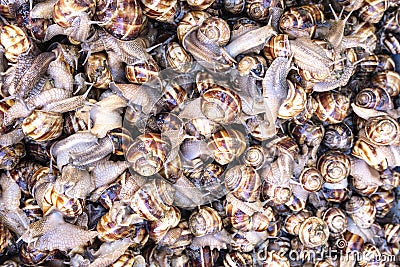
[
  {"x": 256, "y": 156},
  {"x": 200, "y": 4},
  {"x": 216, "y": 29},
  {"x": 109, "y": 231},
  {"x": 65, "y": 11},
  {"x": 365, "y": 150},
  {"x": 361, "y": 210},
  {"x": 338, "y": 137},
  {"x": 226, "y": 144},
  {"x": 43, "y": 125},
  {"x": 205, "y": 221},
  {"x": 220, "y": 104},
  {"x": 372, "y": 11},
  {"x": 383, "y": 201},
  {"x": 374, "y": 256},
  {"x": 236, "y": 259},
  {"x": 293, "y": 222},
  {"x": 70, "y": 207},
  {"x": 98, "y": 71},
  {"x": 11, "y": 155},
  {"x": 389, "y": 81},
  {"x": 5, "y": 237},
  {"x": 337, "y": 192},
  {"x": 244, "y": 182},
  {"x": 392, "y": 233},
  {"x": 311, "y": 179},
  {"x": 142, "y": 72},
  {"x": 277, "y": 46},
  {"x": 158, "y": 229},
  {"x": 334, "y": 166},
  {"x": 121, "y": 138},
  {"x": 148, "y": 153},
  {"x": 336, "y": 220},
  {"x": 294, "y": 103},
  {"x": 258, "y": 10},
  {"x": 313, "y": 232},
  {"x": 31, "y": 256},
  {"x": 15, "y": 41},
  {"x": 234, "y": 6},
  {"x": 332, "y": 107},
  {"x": 189, "y": 21},
  {"x": 160, "y": 10},
  {"x": 382, "y": 130},
  {"x": 374, "y": 98},
  {"x": 122, "y": 19},
  {"x": 177, "y": 57}
]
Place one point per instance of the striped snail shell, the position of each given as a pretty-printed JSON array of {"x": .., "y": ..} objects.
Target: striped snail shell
[
  {"x": 234, "y": 6},
  {"x": 15, "y": 41},
  {"x": 383, "y": 201},
  {"x": 215, "y": 29},
  {"x": 189, "y": 21},
  {"x": 311, "y": 179},
  {"x": 200, "y": 4},
  {"x": 109, "y": 231},
  {"x": 98, "y": 71},
  {"x": 201, "y": 126},
  {"x": 294, "y": 103},
  {"x": 391, "y": 42},
  {"x": 65, "y": 11},
  {"x": 220, "y": 104},
  {"x": 374, "y": 256},
  {"x": 258, "y": 10},
  {"x": 374, "y": 98},
  {"x": 276, "y": 193},
  {"x": 336, "y": 220},
  {"x": 122, "y": 19},
  {"x": 361, "y": 210},
  {"x": 158, "y": 229},
  {"x": 73, "y": 123},
  {"x": 332, "y": 107},
  {"x": 43, "y": 126},
  {"x": 142, "y": 72},
  {"x": 336, "y": 192},
  {"x": 121, "y": 138},
  {"x": 388, "y": 80},
  {"x": 256, "y": 156},
  {"x": 5, "y": 237},
  {"x": 11, "y": 155},
  {"x": 70, "y": 207},
  {"x": 301, "y": 21},
  {"x": 148, "y": 153},
  {"x": 226, "y": 144},
  {"x": 382, "y": 130},
  {"x": 309, "y": 134},
  {"x": 392, "y": 233},
  {"x": 236, "y": 259},
  {"x": 173, "y": 95},
  {"x": 293, "y": 222},
  {"x": 277, "y": 46},
  {"x": 338, "y": 137},
  {"x": 377, "y": 63},
  {"x": 334, "y": 166},
  {"x": 160, "y": 10},
  {"x": 244, "y": 182},
  {"x": 177, "y": 57},
  {"x": 373, "y": 11},
  {"x": 365, "y": 150},
  {"x": 313, "y": 232},
  {"x": 205, "y": 221}
]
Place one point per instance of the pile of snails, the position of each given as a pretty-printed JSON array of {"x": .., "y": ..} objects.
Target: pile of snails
[{"x": 200, "y": 133}]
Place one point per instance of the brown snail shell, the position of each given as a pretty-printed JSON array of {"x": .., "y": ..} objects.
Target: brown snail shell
[
  {"x": 372, "y": 11},
  {"x": 313, "y": 232},
  {"x": 216, "y": 29},
  {"x": 189, "y": 21},
  {"x": 97, "y": 70},
  {"x": 388, "y": 80},
  {"x": 142, "y": 72},
  {"x": 338, "y": 137},
  {"x": 65, "y": 11},
  {"x": 11, "y": 155},
  {"x": 336, "y": 220},
  {"x": 43, "y": 125},
  {"x": 244, "y": 182},
  {"x": 237, "y": 258},
  {"x": 160, "y": 10},
  {"x": 177, "y": 57},
  {"x": 361, "y": 210},
  {"x": 200, "y": 4},
  {"x": 382, "y": 130},
  {"x": 205, "y": 221},
  {"x": 374, "y": 98},
  {"x": 277, "y": 46},
  {"x": 234, "y": 6},
  {"x": 392, "y": 233},
  {"x": 256, "y": 156},
  {"x": 365, "y": 150},
  {"x": 332, "y": 107},
  {"x": 293, "y": 222},
  {"x": 226, "y": 144},
  {"x": 122, "y": 19},
  {"x": 383, "y": 201},
  {"x": 334, "y": 166},
  {"x": 15, "y": 41},
  {"x": 158, "y": 229},
  {"x": 148, "y": 153},
  {"x": 294, "y": 103},
  {"x": 311, "y": 179}
]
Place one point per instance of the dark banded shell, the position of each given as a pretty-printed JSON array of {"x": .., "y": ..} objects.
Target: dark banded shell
[
  {"x": 256, "y": 156},
  {"x": 373, "y": 10},
  {"x": 174, "y": 95},
  {"x": 5, "y": 237},
  {"x": 70, "y": 207},
  {"x": 205, "y": 221},
  {"x": 189, "y": 21},
  {"x": 226, "y": 145},
  {"x": 334, "y": 166},
  {"x": 122, "y": 18},
  {"x": 374, "y": 98},
  {"x": 392, "y": 233},
  {"x": 109, "y": 230},
  {"x": 158, "y": 229},
  {"x": 332, "y": 107},
  {"x": 11, "y": 155},
  {"x": 220, "y": 104},
  {"x": 387, "y": 80},
  {"x": 365, "y": 150},
  {"x": 15, "y": 41},
  {"x": 244, "y": 182},
  {"x": 336, "y": 220},
  {"x": 200, "y": 4},
  {"x": 121, "y": 139},
  {"x": 177, "y": 57},
  {"x": 277, "y": 46},
  {"x": 142, "y": 72},
  {"x": 354, "y": 242},
  {"x": 215, "y": 29},
  {"x": 383, "y": 201},
  {"x": 31, "y": 256},
  {"x": 313, "y": 232},
  {"x": 338, "y": 137},
  {"x": 147, "y": 154},
  {"x": 160, "y": 10},
  {"x": 311, "y": 179},
  {"x": 43, "y": 126},
  {"x": 98, "y": 71},
  {"x": 238, "y": 259},
  {"x": 65, "y": 11},
  {"x": 382, "y": 130},
  {"x": 361, "y": 210}
]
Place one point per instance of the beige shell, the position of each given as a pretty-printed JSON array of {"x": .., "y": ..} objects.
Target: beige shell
[
  {"x": 334, "y": 166},
  {"x": 294, "y": 103},
  {"x": 311, "y": 179},
  {"x": 336, "y": 220},
  {"x": 313, "y": 232},
  {"x": 216, "y": 29},
  {"x": 332, "y": 107},
  {"x": 98, "y": 71},
  {"x": 244, "y": 182},
  {"x": 177, "y": 57},
  {"x": 189, "y": 21},
  {"x": 361, "y": 210},
  {"x": 160, "y": 10},
  {"x": 15, "y": 41},
  {"x": 43, "y": 125},
  {"x": 382, "y": 130},
  {"x": 388, "y": 80},
  {"x": 205, "y": 221}
]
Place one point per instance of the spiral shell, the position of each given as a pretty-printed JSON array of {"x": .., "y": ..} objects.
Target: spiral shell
[
  {"x": 173, "y": 95},
  {"x": 70, "y": 207},
  {"x": 11, "y": 155},
  {"x": 216, "y": 29},
  {"x": 338, "y": 137},
  {"x": 258, "y": 10},
  {"x": 256, "y": 156},
  {"x": 294, "y": 103},
  {"x": 372, "y": 11},
  {"x": 226, "y": 144},
  {"x": 189, "y": 21},
  {"x": 389, "y": 81},
  {"x": 392, "y": 233},
  {"x": 293, "y": 222},
  {"x": 244, "y": 182},
  {"x": 382, "y": 130},
  {"x": 205, "y": 221},
  {"x": 301, "y": 21},
  {"x": 361, "y": 210},
  {"x": 178, "y": 59},
  {"x": 311, "y": 179},
  {"x": 122, "y": 19},
  {"x": 147, "y": 154},
  {"x": 234, "y": 6},
  {"x": 309, "y": 134},
  {"x": 313, "y": 232},
  {"x": 236, "y": 259},
  {"x": 15, "y": 41},
  {"x": 383, "y": 201},
  {"x": 43, "y": 126},
  {"x": 336, "y": 220},
  {"x": 65, "y": 11},
  {"x": 161, "y": 10},
  {"x": 109, "y": 231},
  {"x": 277, "y": 46},
  {"x": 377, "y": 63},
  {"x": 374, "y": 98},
  {"x": 220, "y": 104},
  {"x": 334, "y": 166},
  {"x": 337, "y": 192},
  {"x": 158, "y": 229},
  {"x": 365, "y": 150},
  {"x": 97, "y": 70},
  {"x": 332, "y": 107},
  {"x": 142, "y": 72},
  {"x": 200, "y": 4}
]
